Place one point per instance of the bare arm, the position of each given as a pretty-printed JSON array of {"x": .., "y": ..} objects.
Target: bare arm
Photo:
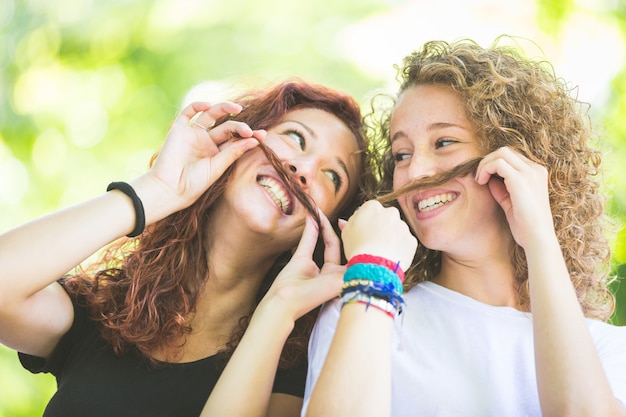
[
  {"x": 356, "y": 376},
  {"x": 299, "y": 288},
  {"x": 570, "y": 376},
  {"x": 34, "y": 310}
]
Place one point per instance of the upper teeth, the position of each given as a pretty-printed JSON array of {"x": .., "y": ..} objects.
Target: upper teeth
[
  {"x": 277, "y": 192},
  {"x": 435, "y": 201}
]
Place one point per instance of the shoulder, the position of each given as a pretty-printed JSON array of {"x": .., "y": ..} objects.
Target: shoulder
[
  {"x": 607, "y": 335},
  {"x": 610, "y": 342},
  {"x": 80, "y": 329}
]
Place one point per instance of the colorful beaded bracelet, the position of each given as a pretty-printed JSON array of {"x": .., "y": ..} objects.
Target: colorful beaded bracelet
[
  {"x": 373, "y": 272},
  {"x": 377, "y": 260},
  {"x": 373, "y": 289},
  {"x": 382, "y": 305}
]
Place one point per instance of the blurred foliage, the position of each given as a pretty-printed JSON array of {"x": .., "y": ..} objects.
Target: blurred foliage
[
  {"x": 609, "y": 119},
  {"x": 88, "y": 89}
]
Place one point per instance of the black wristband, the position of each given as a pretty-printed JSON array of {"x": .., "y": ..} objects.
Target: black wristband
[{"x": 140, "y": 216}]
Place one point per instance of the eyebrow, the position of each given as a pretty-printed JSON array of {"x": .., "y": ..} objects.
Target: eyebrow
[
  {"x": 312, "y": 133},
  {"x": 430, "y": 127}
]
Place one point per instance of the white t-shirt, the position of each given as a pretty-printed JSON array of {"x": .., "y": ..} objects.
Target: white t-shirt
[{"x": 453, "y": 356}]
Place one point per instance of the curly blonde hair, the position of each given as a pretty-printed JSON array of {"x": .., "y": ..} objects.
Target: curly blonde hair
[{"x": 518, "y": 102}]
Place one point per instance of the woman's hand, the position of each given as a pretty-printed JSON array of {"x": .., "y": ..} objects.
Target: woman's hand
[
  {"x": 520, "y": 186},
  {"x": 377, "y": 230},
  {"x": 195, "y": 155},
  {"x": 302, "y": 285}
]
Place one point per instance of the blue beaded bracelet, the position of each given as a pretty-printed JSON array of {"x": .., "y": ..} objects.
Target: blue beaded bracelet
[
  {"x": 373, "y": 272},
  {"x": 373, "y": 289}
]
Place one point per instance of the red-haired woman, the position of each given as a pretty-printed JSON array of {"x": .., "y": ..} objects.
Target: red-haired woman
[{"x": 205, "y": 292}]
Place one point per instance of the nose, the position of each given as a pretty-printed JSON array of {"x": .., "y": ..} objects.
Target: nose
[
  {"x": 299, "y": 172},
  {"x": 422, "y": 165}
]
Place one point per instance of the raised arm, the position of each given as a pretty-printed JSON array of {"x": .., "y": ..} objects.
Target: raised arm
[
  {"x": 356, "y": 377},
  {"x": 299, "y": 288},
  {"x": 570, "y": 376},
  {"x": 34, "y": 310}
]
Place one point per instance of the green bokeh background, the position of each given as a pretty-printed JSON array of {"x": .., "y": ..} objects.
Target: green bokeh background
[{"x": 88, "y": 89}]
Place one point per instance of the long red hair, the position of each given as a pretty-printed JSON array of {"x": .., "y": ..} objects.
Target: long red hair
[{"x": 144, "y": 290}]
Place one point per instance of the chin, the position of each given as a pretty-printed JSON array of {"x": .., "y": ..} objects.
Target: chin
[
  {"x": 275, "y": 226},
  {"x": 433, "y": 240}
]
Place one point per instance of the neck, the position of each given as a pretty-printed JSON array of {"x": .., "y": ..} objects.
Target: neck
[
  {"x": 238, "y": 261},
  {"x": 486, "y": 274}
]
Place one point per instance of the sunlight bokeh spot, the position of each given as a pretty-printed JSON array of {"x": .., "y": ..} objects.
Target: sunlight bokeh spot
[
  {"x": 14, "y": 180},
  {"x": 86, "y": 124},
  {"x": 7, "y": 12},
  {"x": 40, "y": 90},
  {"x": 71, "y": 11},
  {"x": 111, "y": 83},
  {"x": 110, "y": 41},
  {"x": 40, "y": 47},
  {"x": 49, "y": 152}
]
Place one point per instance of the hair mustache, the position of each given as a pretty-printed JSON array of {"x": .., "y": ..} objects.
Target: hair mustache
[
  {"x": 291, "y": 183},
  {"x": 436, "y": 180}
]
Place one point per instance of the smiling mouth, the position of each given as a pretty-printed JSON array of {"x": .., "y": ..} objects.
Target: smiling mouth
[
  {"x": 434, "y": 202},
  {"x": 277, "y": 192}
]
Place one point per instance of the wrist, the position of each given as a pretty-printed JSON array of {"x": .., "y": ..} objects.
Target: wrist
[
  {"x": 375, "y": 282},
  {"x": 277, "y": 313},
  {"x": 129, "y": 191},
  {"x": 157, "y": 200}
]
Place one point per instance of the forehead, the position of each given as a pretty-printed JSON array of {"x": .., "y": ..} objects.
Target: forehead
[
  {"x": 325, "y": 129},
  {"x": 322, "y": 120},
  {"x": 428, "y": 104}
]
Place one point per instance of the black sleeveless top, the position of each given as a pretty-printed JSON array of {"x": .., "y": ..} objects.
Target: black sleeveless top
[{"x": 92, "y": 381}]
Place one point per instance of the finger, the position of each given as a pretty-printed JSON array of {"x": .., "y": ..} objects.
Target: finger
[
  {"x": 222, "y": 109},
  {"x": 259, "y": 134},
  {"x": 514, "y": 157},
  {"x": 499, "y": 192},
  {"x": 342, "y": 224},
  {"x": 307, "y": 243},
  {"x": 229, "y": 130},
  {"x": 229, "y": 154},
  {"x": 332, "y": 245},
  {"x": 330, "y": 282},
  {"x": 506, "y": 159},
  {"x": 499, "y": 167},
  {"x": 206, "y": 119},
  {"x": 191, "y": 110}
]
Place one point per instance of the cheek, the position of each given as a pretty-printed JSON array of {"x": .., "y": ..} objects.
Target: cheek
[
  {"x": 400, "y": 177},
  {"x": 320, "y": 200},
  {"x": 404, "y": 201},
  {"x": 277, "y": 145},
  {"x": 483, "y": 198}
]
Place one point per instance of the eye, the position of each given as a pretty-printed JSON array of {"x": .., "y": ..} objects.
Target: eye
[
  {"x": 443, "y": 142},
  {"x": 401, "y": 156},
  {"x": 298, "y": 137},
  {"x": 335, "y": 178}
]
